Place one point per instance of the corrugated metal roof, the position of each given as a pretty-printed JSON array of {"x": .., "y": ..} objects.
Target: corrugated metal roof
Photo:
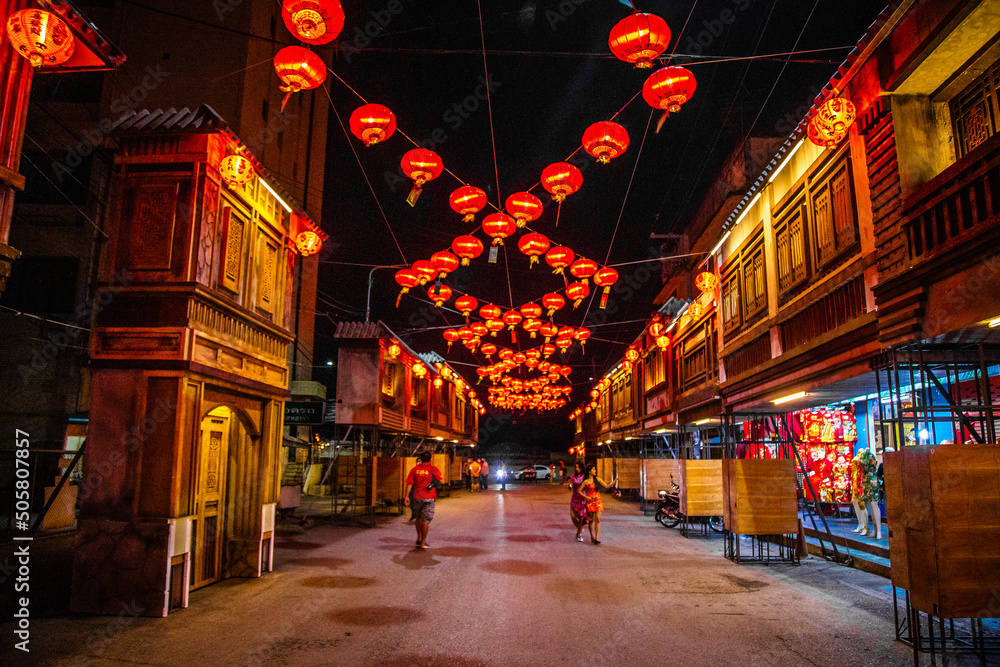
[
  {"x": 361, "y": 330},
  {"x": 201, "y": 119}
]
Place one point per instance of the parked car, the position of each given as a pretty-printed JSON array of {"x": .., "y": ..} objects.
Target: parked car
[{"x": 532, "y": 472}]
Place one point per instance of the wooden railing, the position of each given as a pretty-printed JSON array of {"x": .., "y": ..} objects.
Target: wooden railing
[
  {"x": 833, "y": 310},
  {"x": 749, "y": 356},
  {"x": 964, "y": 197}
]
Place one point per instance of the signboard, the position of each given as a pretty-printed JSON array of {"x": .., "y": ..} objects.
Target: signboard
[{"x": 303, "y": 413}]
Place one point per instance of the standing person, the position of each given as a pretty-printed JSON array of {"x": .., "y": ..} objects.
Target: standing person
[
  {"x": 588, "y": 489},
  {"x": 577, "y": 503},
  {"x": 423, "y": 479},
  {"x": 484, "y": 475},
  {"x": 562, "y": 471},
  {"x": 474, "y": 469},
  {"x": 467, "y": 475},
  {"x": 552, "y": 473}
]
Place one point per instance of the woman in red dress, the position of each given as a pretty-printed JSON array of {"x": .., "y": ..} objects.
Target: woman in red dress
[
  {"x": 577, "y": 503},
  {"x": 588, "y": 489}
]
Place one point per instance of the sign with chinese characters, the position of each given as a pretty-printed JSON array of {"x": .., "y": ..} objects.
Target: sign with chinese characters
[{"x": 304, "y": 413}]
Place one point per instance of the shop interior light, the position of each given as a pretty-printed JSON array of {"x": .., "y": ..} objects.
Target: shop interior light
[
  {"x": 786, "y": 160},
  {"x": 994, "y": 323},
  {"x": 702, "y": 421},
  {"x": 280, "y": 200},
  {"x": 747, "y": 209},
  {"x": 439, "y": 438},
  {"x": 789, "y": 398},
  {"x": 662, "y": 430},
  {"x": 719, "y": 244}
]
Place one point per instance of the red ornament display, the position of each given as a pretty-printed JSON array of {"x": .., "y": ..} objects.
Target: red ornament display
[
  {"x": 407, "y": 279},
  {"x": 467, "y": 201},
  {"x": 494, "y": 325},
  {"x": 490, "y": 312},
  {"x": 444, "y": 262},
  {"x": 581, "y": 336},
  {"x": 583, "y": 268},
  {"x": 669, "y": 88},
  {"x": 831, "y": 121},
  {"x": 499, "y": 226},
  {"x": 439, "y": 294},
  {"x": 467, "y": 247},
  {"x": 313, "y": 21},
  {"x": 299, "y": 69},
  {"x": 489, "y": 349},
  {"x": 372, "y": 123},
  {"x": 605, "y": 140},
  {"x": 577, "y": 292},
  {"x": 706, "y": 281},
  {"x": 561, "y": 179},
  {"x": 236, "y": 170},
  {"x": 533, "y": 244},
  {"x": 465, "y": 304},
  {"x": 524, "y": 206},
  {"x": 450, "y": 335},
  {"x": 552, "y": 303},
  {"x": 308, "y": 243},
  {"x": 605, "y": 278},
  {"x": 420, "y": 165},
  {"x": 41, "y": 37},
  {"x": 559, "y": 258},
  {"x": 532, "y": 326},
  {"x": 531, "y": 311},
  {"x": 639, "y": 39}
]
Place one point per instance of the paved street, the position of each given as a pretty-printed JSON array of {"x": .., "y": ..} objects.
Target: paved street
[{"x": 504, "y": 583}]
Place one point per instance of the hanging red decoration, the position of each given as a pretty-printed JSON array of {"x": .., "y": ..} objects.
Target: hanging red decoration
[
  {"x": 561, "y": 179},
  {"x": 299, "y": 69},
  {"x": 639, "y": 39},
  {"x": 531, "y": 326},
  {"x": 549, "y": 330},
  {"x": 41, "y": 37},
  {"x": 504, "y": 355},
  {"x": 655, "y": 329},
  {"x": 605, "y": 140},
  {"x": 499, "y": 226},
  {"x": 439, "y": 294},
  {"x": 531, "y": 311},
  {"x": 548, "y": 350},
  {"x": 372, "y": 123},
  {"x": 831, "y": 121},
  {"x": 696, "y": 310},
  {"x": 577, "y": 292},
  {"x": 479, "y": 329},
  {"x": 632, "y": 354},
  {"x": 420, "y": 165},
  {"x": 236, "y": 170},
  {"x": 706, "y": 281},
  {"x": 407, "y": 279},
  {"x": 308, "y": 243},
  {"x": 471, "y": 344},
  {"x": 489, "y": 349},
  {"x": 444, "y": 262},
  {"x": 581, "y": 336},
  {"x": 564, "y": 343},
  {"x": 490, "y": 312},
  {"x": 662, "y": 342},
  {"x": 465, "y": 304},
  {"x": 565, "y": 371},
  {"x": 566, "y": 332},
  {"x": 669, "y": 88},
  {"x": 583, "y": 269},
  {"x": 524, "y": 206},
  {"x": 552, "y": 303},
  {"x": 533, "y": 244},
  {"x": 313, "y": 21},
  {"x": 493, "y": 325},
  {"x": 512, "y": 318},
  {"x": 467, "y": 201},
  {"x": 450, "y": 335},
  {"x": 425, "y": 270},
  {"x": 465, "y": 333},
  {"x": 559, "y": 258},
  {"x": 467, "y": 247},
  {"x": 605, "y": 278}
]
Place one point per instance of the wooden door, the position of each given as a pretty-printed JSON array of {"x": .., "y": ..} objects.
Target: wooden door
[{"x": 207, "y": 538}]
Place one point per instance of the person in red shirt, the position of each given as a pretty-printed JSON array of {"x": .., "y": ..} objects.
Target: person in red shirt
[{"x": 422, "y": 479}]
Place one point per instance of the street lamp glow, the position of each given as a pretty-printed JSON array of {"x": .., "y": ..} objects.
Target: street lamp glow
[
  {"x": 789, "y": 398},
  {"x": 662, "y": 430},
  {"x": 702, "y": 421},
  {"x": 994, "y": 323}
]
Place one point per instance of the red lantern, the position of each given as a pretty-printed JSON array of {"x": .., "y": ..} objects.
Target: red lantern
[
  {"x": 552, "y": 303},
  {"x": 605, "y": 140},
  {"x": 420, "y": 165},
  {"x": 467, "y": 247},
  {"x": 308, "y": 243},
  {"x": 467, "y": 201},
  {"x": 524, "y": 206},
  {"x": 444, "y": 262},
  {"x": 299, "y": 69},
  {"x": 605, "y": 278},
  {"x": 425, "y": 270},
  {"x": 561, "y": 179},
  {"x": 493, "y": 325},
  {"x": 696, "y": 310},
  {"x": 706, "y": 281},
  {"x": 236, "y": 170},
  {"x": 439, "y": 294},
  {"x": 532, "y": 326},
  {"x": 583, "y": 269},
  {"x": 478, "y": 329},
  {"x": 831, "y": 122},
  {"x": 533, "y": 353},
  {"x": 499, "y": 226},
  {"x": 531, "y": 363},
  {"x": 549, "y": 330},
  {"x": 577, "y": 292},
  {"x": 639, "y": 39},
  {"x": 566, "y": 332},
  {"x": 490, "y": 312},
  {"x": 581, "y": 335},
  {"x": 565, "y": 371},
  {"x": 559, "y": 258},
  {"x": 669, "y": 88},
  {"x": 41, "y": 37},
  {"x": 472, "y": 344},
  {"x": 489, "y": 349},
  {"x": 656, "y": 329},
  {"x": 465, "y": 304},
  {"x": 531, "y": 310},
  {"x": 373, "y": 123},
  {"x": 504, "y": 355},
  {"x": 407, "y": 279},
  {"x": 512, "y": 318},
  {"x": 632, "y": 354},
  {"x": 662, "y": 342},
  {"x": 465, "y": 333},
  {"x": 313, "y": 21},
  {"x": 450, "y": 335},
  {"x": 533, "y": 244}
]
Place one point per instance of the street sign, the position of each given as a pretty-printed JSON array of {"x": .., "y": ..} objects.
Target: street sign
[{"x": 303, "y": 413}]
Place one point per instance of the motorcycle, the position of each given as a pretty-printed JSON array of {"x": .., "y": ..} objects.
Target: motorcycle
[{"x": 668, "y": 511}]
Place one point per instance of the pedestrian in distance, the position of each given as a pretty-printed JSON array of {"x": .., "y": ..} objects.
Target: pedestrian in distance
[
  {"x": 467, "y": 475},
  {"x": 474, "y": 469},
  {"x": 552, "y": 473},
  {"x": 577, "y": 503},
  {"x": 562, "y": 471},
  {"x": 484, "y": 475},
  {"x": 588, "y": 489},
  {"x": 423, "y": 479}
]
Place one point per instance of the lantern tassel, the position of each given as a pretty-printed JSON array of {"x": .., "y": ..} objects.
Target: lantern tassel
[
  {"x": 577, "y": 303},
  {"x": 284, "y": 100},
  {"x": 534, "y": 260},
  {"x": 513, "y": 336},
  {"x": 558, "y": 210},
  {"x": 469, "y": 217},
  {"x": 411, "y": 198}
]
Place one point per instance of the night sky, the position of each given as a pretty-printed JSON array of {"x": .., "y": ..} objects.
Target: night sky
[{"x": 551, "y": 76}]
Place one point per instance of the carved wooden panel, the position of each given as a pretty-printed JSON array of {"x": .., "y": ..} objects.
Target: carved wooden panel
[
  {"x": 268, "y": 258},
  {"x": 153, "y": 214},
  {"x": 234, "y": 230}
]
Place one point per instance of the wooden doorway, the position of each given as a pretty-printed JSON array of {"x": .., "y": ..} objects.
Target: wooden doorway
[{"x": 207, "y": 532}]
